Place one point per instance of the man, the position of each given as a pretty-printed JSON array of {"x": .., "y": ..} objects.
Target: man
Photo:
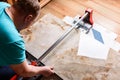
[{"x": 12, "y": 49}]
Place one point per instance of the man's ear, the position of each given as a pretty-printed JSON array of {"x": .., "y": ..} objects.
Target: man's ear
[{"x": 28, "y": 18}]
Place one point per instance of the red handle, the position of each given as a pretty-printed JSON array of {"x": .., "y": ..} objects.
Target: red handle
[{"x": 14, "y": 77}]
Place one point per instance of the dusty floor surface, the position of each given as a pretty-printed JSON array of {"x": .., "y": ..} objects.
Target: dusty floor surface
[{"x": 64, "y": 58}]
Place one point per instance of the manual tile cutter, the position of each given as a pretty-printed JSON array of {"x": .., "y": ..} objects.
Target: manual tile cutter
[{"x": 85, "y": 22}]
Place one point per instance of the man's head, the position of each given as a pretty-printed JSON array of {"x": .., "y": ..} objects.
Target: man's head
[{"x": 26, "y": 12}]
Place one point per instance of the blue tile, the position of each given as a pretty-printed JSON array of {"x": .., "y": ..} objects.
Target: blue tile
[{"x": 97, "y": 36}]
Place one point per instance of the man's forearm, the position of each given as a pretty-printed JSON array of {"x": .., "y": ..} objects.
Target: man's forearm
[
  {"x": 31, "y": 71},
  {"x": 26, "y": 70}
]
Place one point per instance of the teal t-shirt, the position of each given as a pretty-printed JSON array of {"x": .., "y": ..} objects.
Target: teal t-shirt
[{"x": 12, "y": 47}]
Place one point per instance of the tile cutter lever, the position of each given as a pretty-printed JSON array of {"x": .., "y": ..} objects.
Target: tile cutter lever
[{"x": 80, "y": 23}]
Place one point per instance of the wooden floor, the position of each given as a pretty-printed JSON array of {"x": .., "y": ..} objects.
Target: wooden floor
[{"x": 106, "y": 12}]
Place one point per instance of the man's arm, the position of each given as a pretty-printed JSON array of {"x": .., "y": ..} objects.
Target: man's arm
[{"x": 25, "y": 70}]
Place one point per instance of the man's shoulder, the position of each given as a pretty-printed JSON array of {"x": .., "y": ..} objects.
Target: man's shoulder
[{"x": 8, "y": 32}]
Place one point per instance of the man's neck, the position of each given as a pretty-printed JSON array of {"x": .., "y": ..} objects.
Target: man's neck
[{"x": 12, "y": 13}]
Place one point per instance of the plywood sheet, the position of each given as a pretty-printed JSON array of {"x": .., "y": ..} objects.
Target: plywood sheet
[{"x": 64, "y": 58}]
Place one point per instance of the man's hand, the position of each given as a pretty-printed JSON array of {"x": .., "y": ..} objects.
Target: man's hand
[{"x": 46, "y": 71}]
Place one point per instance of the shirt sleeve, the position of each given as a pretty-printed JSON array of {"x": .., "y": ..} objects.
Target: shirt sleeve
[{"x": 13, "y": 53}]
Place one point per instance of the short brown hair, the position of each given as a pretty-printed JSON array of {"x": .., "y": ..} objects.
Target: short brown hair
[{"x": 27, "y": 6}]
